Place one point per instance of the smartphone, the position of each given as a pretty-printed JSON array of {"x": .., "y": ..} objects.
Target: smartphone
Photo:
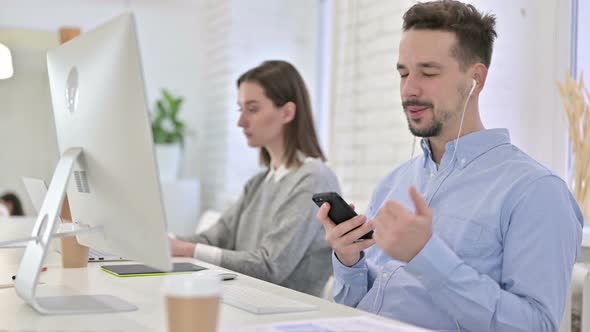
[{"x": 340, "y": 211}]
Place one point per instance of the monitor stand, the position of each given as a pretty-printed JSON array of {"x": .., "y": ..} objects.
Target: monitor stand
[{"x": 44, "y": 230}]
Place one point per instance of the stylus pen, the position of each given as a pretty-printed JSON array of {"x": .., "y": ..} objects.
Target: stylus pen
[{"x": 43, "y": 269}]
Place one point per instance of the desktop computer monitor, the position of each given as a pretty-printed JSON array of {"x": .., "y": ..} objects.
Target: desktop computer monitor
[
  {"x": 99, "y": 105},
  {"x": 105, "y": 141}
]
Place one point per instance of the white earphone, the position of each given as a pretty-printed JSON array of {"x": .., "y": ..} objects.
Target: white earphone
[
  {"x": 473, "y": 86},
  {"x": 461, "y": 124}
]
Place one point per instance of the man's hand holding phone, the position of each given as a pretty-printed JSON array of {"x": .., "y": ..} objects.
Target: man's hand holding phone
[{"x": 344, "y": 237}]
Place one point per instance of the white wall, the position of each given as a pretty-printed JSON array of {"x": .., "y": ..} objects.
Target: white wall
[
  {"x": 531, "y": 55},
  {"x": 196, "y": 49},
  {"x": 369, "y": 132},
  {"x": 168, "y": 38},
  {"x": 369, "y": 135},
  {"x": 199, "y": 48},
  {"x": 27, "y": 134},
  {"x": 583, "y": 46},
  {"x": 238, "y": 36}
]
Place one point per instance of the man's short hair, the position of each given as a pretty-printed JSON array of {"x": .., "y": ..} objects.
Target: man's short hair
[{"x": 475, "y": 31}]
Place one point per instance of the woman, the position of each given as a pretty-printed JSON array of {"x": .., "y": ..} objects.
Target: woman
[{"x": 271, "y": 233}]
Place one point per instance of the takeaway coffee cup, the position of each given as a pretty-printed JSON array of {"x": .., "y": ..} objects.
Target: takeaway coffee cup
[{"x": 192, "y": 301}]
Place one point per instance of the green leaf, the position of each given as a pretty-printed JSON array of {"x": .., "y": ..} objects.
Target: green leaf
[
  {"x": 167, "y": 110},
  {"x": 161, "y": 109}
]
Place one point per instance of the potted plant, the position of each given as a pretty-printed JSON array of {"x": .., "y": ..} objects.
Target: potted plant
[
  {"x": 576, "y": 102},
  {"x": 169, "y": 132}
]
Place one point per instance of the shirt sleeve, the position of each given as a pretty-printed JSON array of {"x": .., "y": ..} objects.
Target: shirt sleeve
[
  {"x": 207, "y": 254},
  {"x": 541, "y": 242},
  {"x": 350, "y": 283}
]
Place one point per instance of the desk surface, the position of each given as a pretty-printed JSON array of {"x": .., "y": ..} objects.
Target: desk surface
[{"x": 142, "y": 291}]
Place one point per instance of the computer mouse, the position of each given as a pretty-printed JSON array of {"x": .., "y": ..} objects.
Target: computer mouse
[{"x": 228, "y": 275}]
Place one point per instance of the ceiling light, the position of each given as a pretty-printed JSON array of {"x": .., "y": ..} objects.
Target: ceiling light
[{"x": 6, "y": 69}]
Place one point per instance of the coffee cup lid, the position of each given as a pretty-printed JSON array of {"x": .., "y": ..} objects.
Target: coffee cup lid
[{"x": 201, "y": 283}]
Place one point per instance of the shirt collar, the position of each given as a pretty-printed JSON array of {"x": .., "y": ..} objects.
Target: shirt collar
[
  {"x": 471, "y": 145},
  {"x": 281, "y": 171}
]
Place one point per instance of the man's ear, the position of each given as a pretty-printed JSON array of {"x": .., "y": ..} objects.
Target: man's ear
[
  {"x": 289, "y": 110},
  {"x": 480, "y": 73}
]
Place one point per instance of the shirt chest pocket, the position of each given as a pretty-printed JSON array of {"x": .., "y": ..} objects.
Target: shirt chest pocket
[{"x": 469, "y": 239}]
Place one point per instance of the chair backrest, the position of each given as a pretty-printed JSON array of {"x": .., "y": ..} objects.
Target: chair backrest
[{"x": 208, "y": 219}]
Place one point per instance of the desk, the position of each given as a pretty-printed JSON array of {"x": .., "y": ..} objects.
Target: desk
[{"x": 142, "y": 291}]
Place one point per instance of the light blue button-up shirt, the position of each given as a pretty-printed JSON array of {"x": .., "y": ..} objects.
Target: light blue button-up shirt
[{"x": 506, "y": 233}]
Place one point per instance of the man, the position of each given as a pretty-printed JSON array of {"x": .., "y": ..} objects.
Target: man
[{"x": 473, "y": 234}]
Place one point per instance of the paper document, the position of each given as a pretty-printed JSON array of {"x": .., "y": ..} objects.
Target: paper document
[{"x": 348, "y": 324}]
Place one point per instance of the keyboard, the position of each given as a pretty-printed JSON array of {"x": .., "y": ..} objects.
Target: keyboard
[
  {"x": 101, "y": 256},
  {"x": 260, "y": 302}
]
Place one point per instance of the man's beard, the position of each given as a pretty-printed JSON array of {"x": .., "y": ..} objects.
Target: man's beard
[
  {"x": 435, "y": 127},
  {"x": 433, "y": 130}
]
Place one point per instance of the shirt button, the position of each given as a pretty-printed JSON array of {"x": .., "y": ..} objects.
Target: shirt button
[
  {"x": 431, "y": 174},
  {"x": 463, "y": 161},
  {"x": 384, "y": 275}
]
